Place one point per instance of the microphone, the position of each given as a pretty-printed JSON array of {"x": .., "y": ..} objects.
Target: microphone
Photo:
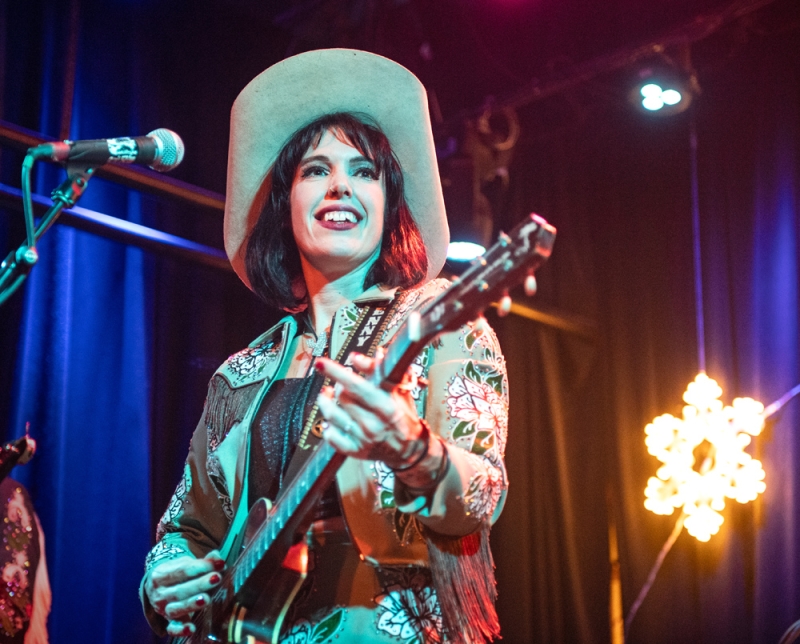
[{"x": 162, "y": 150}]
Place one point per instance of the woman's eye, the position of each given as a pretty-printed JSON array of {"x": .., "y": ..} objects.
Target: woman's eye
[
  {"x": 367, "y": 172},
  {"x": 313, "y": 171}
]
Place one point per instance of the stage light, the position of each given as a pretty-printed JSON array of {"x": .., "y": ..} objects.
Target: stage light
[
  {"x": 464, "y": 251},
  {"x": 662, "y": 90},
  {"x": 655, "y": 97}
]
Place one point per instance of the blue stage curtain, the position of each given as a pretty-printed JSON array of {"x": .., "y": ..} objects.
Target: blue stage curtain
[{"x": 83, "y": 363}]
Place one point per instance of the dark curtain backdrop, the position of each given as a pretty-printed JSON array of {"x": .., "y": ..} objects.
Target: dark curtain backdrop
[
  {"x": 108, "y": 349},
  {"x": 618, "y": 186}
]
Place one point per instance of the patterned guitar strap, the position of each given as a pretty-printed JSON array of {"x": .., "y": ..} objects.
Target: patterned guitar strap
[{"x": 364, "y": 338}]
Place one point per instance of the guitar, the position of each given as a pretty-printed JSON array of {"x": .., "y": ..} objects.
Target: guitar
[{"x": 267, "y": 564}]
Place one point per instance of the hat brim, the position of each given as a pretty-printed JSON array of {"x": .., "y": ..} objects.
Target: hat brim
[{"x": 300, "y": 89}]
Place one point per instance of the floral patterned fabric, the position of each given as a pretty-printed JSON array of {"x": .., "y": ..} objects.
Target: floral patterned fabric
[
  {"x": 19, "y": 559},
  {"x": 251, "y": 361},
  {"x": 465, "y": 402}
]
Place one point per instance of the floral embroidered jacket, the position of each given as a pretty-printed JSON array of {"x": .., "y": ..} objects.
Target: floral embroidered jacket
[{"x": 465, "y": 402}]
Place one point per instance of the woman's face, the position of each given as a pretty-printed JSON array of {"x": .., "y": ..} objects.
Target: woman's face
[{"x": 337, "y": 204}]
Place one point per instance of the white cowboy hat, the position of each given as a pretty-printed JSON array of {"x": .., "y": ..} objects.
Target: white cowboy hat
[{"x": 300, "y": 89}]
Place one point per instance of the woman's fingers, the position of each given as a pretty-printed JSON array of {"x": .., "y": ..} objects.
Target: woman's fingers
[
  {"x": 344, "y": 433},
  {"x": 364, "y": 364},
  {"x": 190, "y": 595},
  {"x": 180, "y": 629},
  {"x": 353, "y": 388},
  {"x": 181, "y": 608},
  {"x": 361, "y": 424},
  {"x": 363, "y": 420},
  {"x": 182, "y": 569},
  {"x": 179, "y": 587}
]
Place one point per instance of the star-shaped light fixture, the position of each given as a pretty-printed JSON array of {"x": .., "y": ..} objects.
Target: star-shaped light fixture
[{"x": 704, "y": 458}]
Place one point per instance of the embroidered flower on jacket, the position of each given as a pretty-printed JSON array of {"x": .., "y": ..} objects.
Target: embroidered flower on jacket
[
  {"x": 484, "y": 489},
  {"x": 162, "y": 551},
  {"x": 305, "y": 632},
  {"x": 253, "y": 359},
  {"x": 384, "y": 483},
  {"x": 484, "y": 346},
  {"x": 411, "y": 614},
  {"x": 347, "y": 321},
  {"x": 481, "y": 412}
]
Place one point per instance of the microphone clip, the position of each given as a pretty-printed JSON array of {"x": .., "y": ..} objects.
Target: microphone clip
[{"x": 72, "y": 188}]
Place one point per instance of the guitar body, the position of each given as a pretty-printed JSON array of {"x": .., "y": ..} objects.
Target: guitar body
[{"x": 256, "y": 613}]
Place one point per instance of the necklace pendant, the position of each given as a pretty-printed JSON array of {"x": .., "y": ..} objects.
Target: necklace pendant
[{"x": 318, "y": 346}]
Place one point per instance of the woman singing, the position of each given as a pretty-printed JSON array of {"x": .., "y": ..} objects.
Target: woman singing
[{"x": 334, "y": 212}]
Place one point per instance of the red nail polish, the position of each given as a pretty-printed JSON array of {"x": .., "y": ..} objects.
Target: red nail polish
[
  {"x": 215, "y": 578},
  {"x": 219, "y": 564},
  {"x": 200, "y": 601},
  {"x": 318, "y": 365}
]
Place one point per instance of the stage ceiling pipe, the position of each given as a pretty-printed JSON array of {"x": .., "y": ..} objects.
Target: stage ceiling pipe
[{"x": 122, "y": 231}]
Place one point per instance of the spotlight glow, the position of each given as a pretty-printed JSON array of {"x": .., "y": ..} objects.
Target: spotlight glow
[
  {"x": 651, "y": 89},
  {"x": 671, "y": 97},
  {"x": 652, "y": 103},
  {"x": 656, "y": 97},
  {"x": 464, "y": 251},
  {"x": 703, "y": 457}
]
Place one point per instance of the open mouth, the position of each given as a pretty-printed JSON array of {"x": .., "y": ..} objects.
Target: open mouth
[{"x": 338, "y": 217}]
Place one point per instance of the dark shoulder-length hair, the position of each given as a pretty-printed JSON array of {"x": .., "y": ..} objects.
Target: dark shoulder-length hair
[{"x": 272, "y": 258}]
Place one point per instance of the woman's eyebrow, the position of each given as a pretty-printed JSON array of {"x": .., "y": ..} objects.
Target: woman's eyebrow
[
  {"x": 315, "y": 157},
  {"x": 322, "y": 158},
  {"x": 361, "y": 159}
]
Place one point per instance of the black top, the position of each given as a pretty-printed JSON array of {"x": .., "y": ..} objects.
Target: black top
[{"x": 276, "y": 431}]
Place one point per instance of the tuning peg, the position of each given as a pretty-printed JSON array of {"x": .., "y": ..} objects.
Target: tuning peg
[
  {"x": 530, "y": 285},
  {"x": 504, "y": 306}
]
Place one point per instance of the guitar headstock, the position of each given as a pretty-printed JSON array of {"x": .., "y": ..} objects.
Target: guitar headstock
[{"x": 513, "y": 258}]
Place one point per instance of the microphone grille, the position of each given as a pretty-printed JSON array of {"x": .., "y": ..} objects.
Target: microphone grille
[{"x": 169, "y": 151}]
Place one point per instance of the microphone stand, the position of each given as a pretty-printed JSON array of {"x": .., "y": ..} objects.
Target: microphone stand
[{"x": 19, "y": 262}]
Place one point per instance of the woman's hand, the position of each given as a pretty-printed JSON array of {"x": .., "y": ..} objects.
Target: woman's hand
[
  {"x": 369, "y": 423},
  {"x": 179, "y": 587}
]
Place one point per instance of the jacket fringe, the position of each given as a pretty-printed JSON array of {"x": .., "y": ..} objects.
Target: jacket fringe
[
  {"x": 463, "y": 576},
  {"x": 226, "y": 406}
]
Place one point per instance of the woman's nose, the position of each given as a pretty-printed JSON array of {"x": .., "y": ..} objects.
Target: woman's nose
[{"x": 339, "y": 186}]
